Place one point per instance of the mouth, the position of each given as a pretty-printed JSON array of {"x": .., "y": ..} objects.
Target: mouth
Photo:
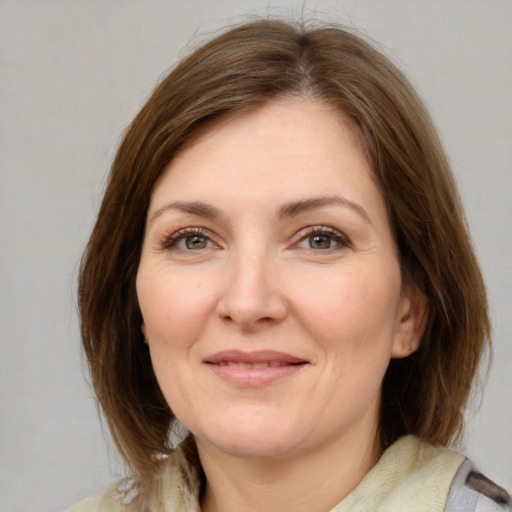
[
  {"x": 265, "y": 364},
  {"x": 254, "y": 369}
]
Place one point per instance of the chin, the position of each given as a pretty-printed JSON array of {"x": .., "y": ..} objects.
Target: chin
[
  {"x": 251, "y": 441},
  {"x": 253, "y": 448}
]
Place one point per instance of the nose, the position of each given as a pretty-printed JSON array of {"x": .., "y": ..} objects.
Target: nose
[{"x": 252, "y": 299}]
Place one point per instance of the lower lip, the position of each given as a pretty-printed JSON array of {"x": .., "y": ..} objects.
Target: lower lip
[{"x": 255, "y": 377}]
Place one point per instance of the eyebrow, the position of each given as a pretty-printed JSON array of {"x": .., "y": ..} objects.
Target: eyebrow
[
  {"x": 290, "y": 209},
  {"x": 193, "y": 207},
  {"x": 297, "y": 207}
]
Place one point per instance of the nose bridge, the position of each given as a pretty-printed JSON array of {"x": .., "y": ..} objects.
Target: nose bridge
[{"x": 251, "y": 295}]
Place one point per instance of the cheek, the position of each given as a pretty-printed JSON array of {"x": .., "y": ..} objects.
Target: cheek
[
  {"x": 353, "y": 313},
  {"x": 353, "y": 323},
  {"x": 174, "y": 306}
]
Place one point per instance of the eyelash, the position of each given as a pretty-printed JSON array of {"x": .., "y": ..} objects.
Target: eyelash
[
  {"x": 339, "y": 238},
  {"x": 170, "y": 240}
]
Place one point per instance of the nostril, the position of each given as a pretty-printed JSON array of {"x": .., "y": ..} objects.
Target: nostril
[
  {"x": 250, "y": 303},
  {"x": 248, "y": 323}
]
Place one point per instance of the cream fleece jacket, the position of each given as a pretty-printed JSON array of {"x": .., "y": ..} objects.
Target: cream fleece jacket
[{"x": 410, "y": 476}]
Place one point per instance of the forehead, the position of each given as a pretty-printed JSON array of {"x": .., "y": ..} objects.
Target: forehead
[
  {"x": 285, "y": 150},
  {"x": 284, "y": 110}
]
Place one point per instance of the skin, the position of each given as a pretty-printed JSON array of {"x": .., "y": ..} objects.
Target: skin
[{"x": 290, "y": 250}]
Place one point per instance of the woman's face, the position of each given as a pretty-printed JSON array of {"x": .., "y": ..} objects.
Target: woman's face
[{"x": 269, "y": 284}]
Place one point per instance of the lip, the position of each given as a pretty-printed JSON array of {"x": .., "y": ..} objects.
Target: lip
[{"x": 254, "y": 369}]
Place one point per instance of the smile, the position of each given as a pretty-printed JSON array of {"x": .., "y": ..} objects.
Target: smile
[
  {"x": 267, "y": 364},
  {"x": 254, "y": 369}
]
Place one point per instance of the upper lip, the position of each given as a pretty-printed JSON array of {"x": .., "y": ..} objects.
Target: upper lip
[{"x": 260, "y": 356}]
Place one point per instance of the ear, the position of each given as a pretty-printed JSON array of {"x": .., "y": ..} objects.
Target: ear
[{"x": 411, "y": 321}]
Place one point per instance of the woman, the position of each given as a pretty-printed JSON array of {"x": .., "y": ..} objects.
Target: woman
[{"x": 281, "y": 265}]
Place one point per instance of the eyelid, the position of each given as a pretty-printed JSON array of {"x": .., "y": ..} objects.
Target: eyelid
[
  {"x": 334, "y": 233},
  {"x": 171, "y": 237}
]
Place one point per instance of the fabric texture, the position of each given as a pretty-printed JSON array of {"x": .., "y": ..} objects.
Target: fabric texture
[
  {"x": 410, "y": 476},
  {"x": 471, "y": 490}
]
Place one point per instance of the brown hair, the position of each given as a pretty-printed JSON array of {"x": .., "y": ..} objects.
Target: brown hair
[{"x": 243, "y": 68}]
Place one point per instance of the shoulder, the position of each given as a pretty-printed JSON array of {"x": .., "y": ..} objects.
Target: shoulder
[
  {"x": 472, "y": 491},
  {"x": 109, "y": 499},
  {"x": 175, "y": 486}
]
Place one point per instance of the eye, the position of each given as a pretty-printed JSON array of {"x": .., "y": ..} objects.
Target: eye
[
  {"x": 188, "y": 239},
  {"x": 193, "y": 242},
  {"x": 322, "y": 239}
]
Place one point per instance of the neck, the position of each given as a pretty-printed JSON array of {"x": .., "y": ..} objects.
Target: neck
[{"x": 309, "y": 481}]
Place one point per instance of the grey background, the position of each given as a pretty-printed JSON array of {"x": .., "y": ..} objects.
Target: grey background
[{"x": 72, "y": 75}]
